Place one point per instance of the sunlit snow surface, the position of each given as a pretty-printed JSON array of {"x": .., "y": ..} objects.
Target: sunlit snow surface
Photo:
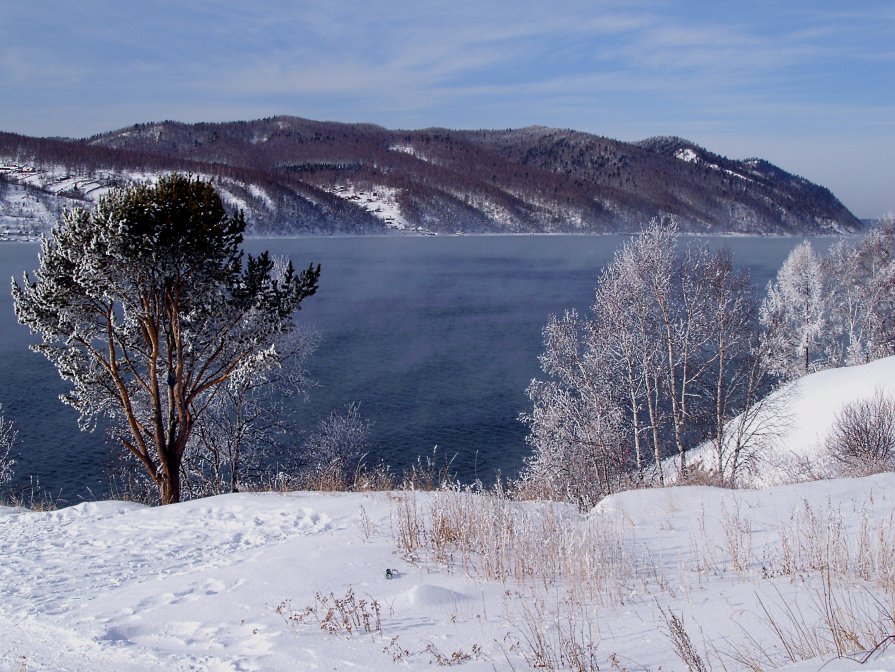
[
  {"x": 380, "y": 201},
  {"x": 209, "y": 584}
]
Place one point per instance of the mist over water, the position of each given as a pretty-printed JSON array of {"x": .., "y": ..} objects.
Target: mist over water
[{"x": 436, "y": 337}]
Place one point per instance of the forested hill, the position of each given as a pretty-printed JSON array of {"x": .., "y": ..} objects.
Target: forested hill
[{"x": 294, "y": 176}]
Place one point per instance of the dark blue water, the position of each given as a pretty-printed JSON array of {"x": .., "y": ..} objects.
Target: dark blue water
[{"x": 437, "y": 338}]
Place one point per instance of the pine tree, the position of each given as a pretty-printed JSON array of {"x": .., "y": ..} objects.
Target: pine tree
[{"x": 146, "y": 306}]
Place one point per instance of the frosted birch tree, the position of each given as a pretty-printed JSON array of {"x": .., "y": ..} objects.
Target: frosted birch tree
[
  {"x": 147, "y": 307},
  {"x": 623, "y": 315},
  {"x": 676, "y": 327},
  {"x": 861, "y": 296},
  {"x": 669, "y": 356},
  {"x": 793, "y": 313},
  {"x": 575, "y": 424}
]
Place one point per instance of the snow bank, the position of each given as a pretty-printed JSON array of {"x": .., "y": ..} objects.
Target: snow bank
[
  {"x": 804, "y": 418},
  {"x": 817, "y": 399}
]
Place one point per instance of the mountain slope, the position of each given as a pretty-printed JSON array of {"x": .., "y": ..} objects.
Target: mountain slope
[{"x": 294, "y": 175}]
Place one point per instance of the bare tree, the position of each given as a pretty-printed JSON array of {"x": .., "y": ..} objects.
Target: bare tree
[
  {"x": 739, "y": 379},
  {"x": 758, "y": 412},
  {"x": 245, "y": 436}
]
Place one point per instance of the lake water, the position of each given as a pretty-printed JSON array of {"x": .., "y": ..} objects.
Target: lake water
[{"x": 436, "y": 337}]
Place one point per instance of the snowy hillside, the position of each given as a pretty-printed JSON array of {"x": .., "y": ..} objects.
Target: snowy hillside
[
  {"x": 800, "y": 417},
  {"x": 298, "y": 176},
  {"x": 34, "y": 196}
]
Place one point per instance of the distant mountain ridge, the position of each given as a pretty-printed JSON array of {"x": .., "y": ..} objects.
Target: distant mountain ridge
[{"x": 297, "y": 176}]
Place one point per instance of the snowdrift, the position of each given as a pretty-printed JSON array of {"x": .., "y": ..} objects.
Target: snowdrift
[{"x": 802, "y": 420}]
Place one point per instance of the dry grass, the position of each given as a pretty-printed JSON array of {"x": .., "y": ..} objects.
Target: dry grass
[
  {"x": 33, "y": 497},
  {"x": 561, "y": 568},
  {"x": 430, "y": 473},
  {"x": 836, "y": 620},
  {"x": 558, "y": 639},
  {"x": 486, "y": 534}
]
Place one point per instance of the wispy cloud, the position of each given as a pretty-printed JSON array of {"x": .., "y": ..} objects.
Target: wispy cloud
[{"x": 640, "y": 67}]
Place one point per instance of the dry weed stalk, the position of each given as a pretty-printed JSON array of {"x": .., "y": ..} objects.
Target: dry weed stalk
[
  {"x": 737, "y": 536},
  {"x": 681, "y": 641},
  {"x": 337, "y": 615}
]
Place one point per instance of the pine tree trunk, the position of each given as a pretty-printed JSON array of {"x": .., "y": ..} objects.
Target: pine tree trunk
[{"x": 171, "y": 487}]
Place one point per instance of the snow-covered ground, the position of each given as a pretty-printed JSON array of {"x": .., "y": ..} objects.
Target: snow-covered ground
[
  {"x": 245, "y": 582},
  {"x": 768, "y": 578}
]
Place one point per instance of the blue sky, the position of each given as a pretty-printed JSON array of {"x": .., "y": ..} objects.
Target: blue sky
[{"x": 806, "y": 84}]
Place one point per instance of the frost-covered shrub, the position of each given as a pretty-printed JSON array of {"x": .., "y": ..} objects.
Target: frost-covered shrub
[
  {"x": 7, "y": 439},
  {"x": 862, "y": 439},
  {"x": 335, "y": 450},
  {"x": 579, "y": 453}
]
